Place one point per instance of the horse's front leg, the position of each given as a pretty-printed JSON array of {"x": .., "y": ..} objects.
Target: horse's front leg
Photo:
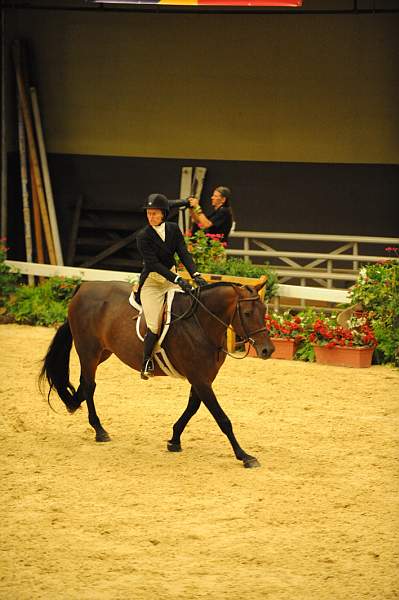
[
  {"x": 205, "y": 392},
  {"x": 193, "y": 405}
]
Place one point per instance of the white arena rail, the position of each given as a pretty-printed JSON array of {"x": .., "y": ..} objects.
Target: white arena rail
[{"x": 286, "y": 291}]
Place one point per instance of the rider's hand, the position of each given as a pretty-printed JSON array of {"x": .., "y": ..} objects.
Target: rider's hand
[
  {"x": 185, "y": 286},
  {"x": 200, "y": 281}
]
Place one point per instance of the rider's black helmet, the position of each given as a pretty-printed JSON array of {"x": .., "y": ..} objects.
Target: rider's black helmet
[{"x": 157, "y": 201}]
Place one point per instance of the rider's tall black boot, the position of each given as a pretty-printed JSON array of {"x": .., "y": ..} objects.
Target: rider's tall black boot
[{"x": 147, "y": 370}]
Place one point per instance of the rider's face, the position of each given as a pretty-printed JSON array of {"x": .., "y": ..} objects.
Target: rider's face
[{"x": 154, "y": 216}]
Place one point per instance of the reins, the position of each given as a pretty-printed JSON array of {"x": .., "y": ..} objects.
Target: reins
[{"x": 195, "y": 301}]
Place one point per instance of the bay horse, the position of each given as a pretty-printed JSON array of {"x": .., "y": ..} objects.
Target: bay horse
[{"x": 101, "y": 322}]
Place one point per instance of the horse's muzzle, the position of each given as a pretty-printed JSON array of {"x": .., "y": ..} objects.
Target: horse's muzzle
[{"x": 265, "y": 350}]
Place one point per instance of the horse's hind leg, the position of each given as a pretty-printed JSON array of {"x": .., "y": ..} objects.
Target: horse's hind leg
[
  {"x": 87, "y": 388},
  {"x": 193, "y": 405},
  {"x": 209, "y": 399}
]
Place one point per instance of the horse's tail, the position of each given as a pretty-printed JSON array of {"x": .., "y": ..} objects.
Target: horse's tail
[{"x": 56, "y": 368}]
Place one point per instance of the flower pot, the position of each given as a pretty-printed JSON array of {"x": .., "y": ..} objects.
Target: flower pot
[
  {"x": 284, "y": 348},
  {"x": 344, "y": 356}
]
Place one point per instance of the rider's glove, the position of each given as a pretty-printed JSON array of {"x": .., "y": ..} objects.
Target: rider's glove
[
  {"x": 185, "y": 286},
  {"x": 200, "y": 281}
]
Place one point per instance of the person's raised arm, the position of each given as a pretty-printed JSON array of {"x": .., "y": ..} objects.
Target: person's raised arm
[{"x": 197, "y": 214}]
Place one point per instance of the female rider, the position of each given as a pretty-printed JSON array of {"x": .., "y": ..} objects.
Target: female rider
[{"x": 157, "y": 243}]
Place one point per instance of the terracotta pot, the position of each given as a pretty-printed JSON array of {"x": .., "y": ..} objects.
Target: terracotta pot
[
  {"x": 284, "y": 349},
  {"x": 344, "y": 356}
]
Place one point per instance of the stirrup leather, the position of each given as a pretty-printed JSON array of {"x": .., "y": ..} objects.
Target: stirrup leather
[{"x": 147, "y": 370}]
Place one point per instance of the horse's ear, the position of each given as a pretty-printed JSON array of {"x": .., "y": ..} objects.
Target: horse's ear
[{"x": 261, "y": 284}]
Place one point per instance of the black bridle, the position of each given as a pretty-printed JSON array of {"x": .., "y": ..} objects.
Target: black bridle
[{"x": 247, "y": 334}]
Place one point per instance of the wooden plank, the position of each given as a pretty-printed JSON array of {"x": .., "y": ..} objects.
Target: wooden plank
[
  {"x": 37, "y": 222},
  {"x": 4, "y": 125},
  {"x": 74, "y": 230},
  {"x": 291, "y": 291},
  {"x": 291, "y": 273},
  {"x": 78, "y": 272},
  {"x": 198, "y": 182},
  {"x": 315, "y": 237},
  {"x": 113, "y": 262},
  {"x": 315, "y": 255},
  {"x": 102, "y": 223},
  {"x": 111, "y": 249},
  {"x": 46, "y": 176},
  {"x": 32, "y": 151},
  {"x": 24, "y": 189},
  {"x": 185, "y": 192},
  {"x": 314, "y": 293}
]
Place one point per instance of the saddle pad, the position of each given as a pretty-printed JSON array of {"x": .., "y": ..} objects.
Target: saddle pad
[{"x": 159, "y": 353}]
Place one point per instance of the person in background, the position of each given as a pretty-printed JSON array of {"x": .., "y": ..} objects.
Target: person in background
[
  {"x": 219, "y": 220},
  {"x": 157, "y": 244}
]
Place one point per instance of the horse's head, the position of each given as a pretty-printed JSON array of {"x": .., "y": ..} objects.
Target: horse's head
[{"x": 249, "y": 320}]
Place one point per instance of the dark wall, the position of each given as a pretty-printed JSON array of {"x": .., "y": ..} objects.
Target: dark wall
[
  {"x": 298, "y": 115},
  {"x": 281, "y": 197}
]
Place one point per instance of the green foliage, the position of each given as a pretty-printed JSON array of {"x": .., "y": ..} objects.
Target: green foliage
[
  {"x": 205, "y": 248},
  {"x": 377, "y": 290},
  {"x": 45, "y": 304},
  {"x": 238, "y": 267},
  {"x": 209, "y": 255},
  {"x": 9, "y": 280},
  {"x": 305, "y": 349}
]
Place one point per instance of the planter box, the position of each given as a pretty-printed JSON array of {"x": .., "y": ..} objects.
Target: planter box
[
  {"x": 344, "y": 356},
  {"x": 284, "y": 349}
]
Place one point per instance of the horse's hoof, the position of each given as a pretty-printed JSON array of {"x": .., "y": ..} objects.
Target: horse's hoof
[
  {"x": 173, "y": 447},
  {"x": 251, "y": 462},
  {"x": 102, "y": 436}
]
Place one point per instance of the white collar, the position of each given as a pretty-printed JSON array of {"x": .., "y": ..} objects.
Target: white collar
[{"x": 160, "y": 230}]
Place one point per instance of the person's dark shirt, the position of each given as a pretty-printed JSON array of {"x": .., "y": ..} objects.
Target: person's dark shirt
[{"x": 221, "y": 222}]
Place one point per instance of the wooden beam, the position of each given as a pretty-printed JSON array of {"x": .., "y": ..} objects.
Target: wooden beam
[
  {"x": 24, "y": 189},
  {"x": 111, "y": 249},
  {"x": 74, "y": 231},
  {"x": 32, "y": 150},
  {"x": 46, "y": 177}
]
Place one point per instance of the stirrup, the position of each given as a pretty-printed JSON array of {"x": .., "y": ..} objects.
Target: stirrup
[{"x": 147, "y": 370}]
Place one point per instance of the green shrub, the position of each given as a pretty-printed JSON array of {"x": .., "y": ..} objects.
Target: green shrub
[
  {"x": 209, "y": 255},
  {"x": 205, "y": 248},
  {"x": 239, "y": 267},
  {"x": 45, "y": 304},
  {"x": 377, "y": 290},
  {"x": 305, "y": 349},
  {"x": 9, "y": 280}
]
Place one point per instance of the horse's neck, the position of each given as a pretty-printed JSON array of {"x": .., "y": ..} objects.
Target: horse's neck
[{"x": 221, "y": 302}]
